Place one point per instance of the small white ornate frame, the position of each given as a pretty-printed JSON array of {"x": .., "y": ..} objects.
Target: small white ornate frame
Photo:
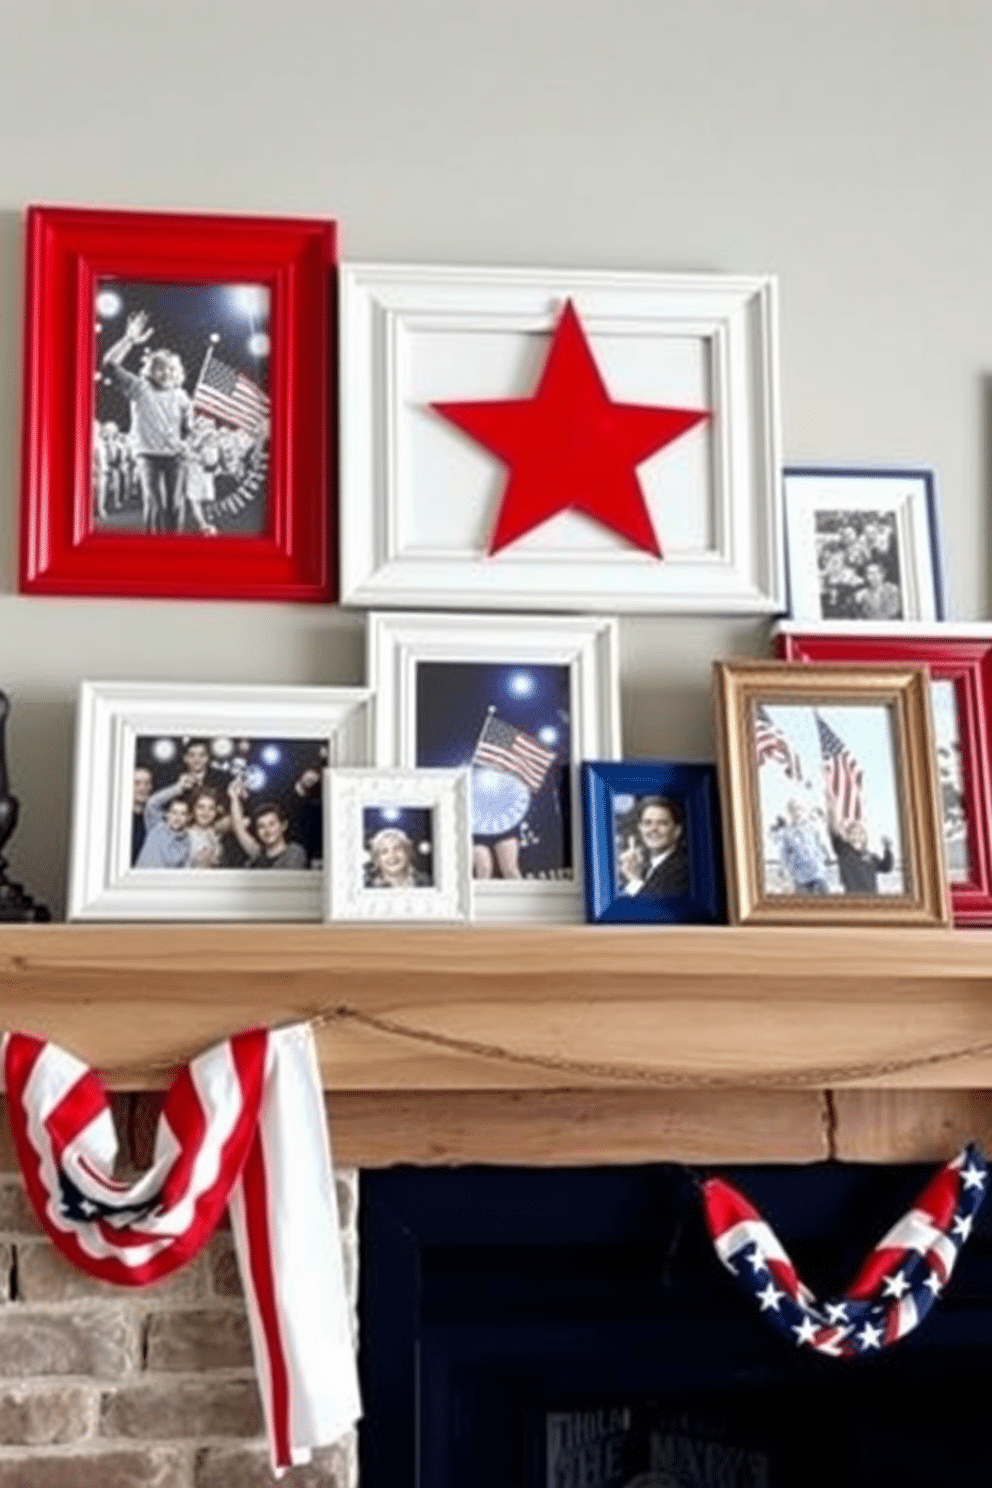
[
  {"x": 112, "y": 716},
  {"x": 586, "y": 645},
  {"x": 418, "y": 499},
  {"x": 348, "y": 794}
]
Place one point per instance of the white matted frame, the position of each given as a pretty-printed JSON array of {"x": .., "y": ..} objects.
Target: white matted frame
[
  {"x": 582, "y": 648},
  {"x": 113, "y": 716},
  {"x": 351, "y": 891},
  {"x": 836, "y": 522},
  {"x": 419, "y": 499}
]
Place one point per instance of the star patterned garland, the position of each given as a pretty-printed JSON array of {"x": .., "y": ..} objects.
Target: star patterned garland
[{"x": 894, "y": 1290}]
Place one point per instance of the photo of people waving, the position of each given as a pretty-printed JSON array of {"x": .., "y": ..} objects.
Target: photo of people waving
[
  {"x": 181, "y": 409},
  {"x": 830, "y": 810},
  {"x": 223, "y": 803}
]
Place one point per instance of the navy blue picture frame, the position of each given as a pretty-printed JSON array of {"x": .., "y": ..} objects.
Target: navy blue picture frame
[{"x": 694, "y": 787}]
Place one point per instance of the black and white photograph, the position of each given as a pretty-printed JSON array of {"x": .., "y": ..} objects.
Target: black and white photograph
[
  {"x": 828, "y": 799},
  {"x": 181, "y": 409},
  {"x": 857, "y": 562},
  {"x": 863, "y": 545},
  {"x": 398, "y": 847},
  {"x": 510, "y": 724},
  {"x": 224, "y": 803},
  {"x": 950, "y": 779},
  {"x": 651, "y": 853}
]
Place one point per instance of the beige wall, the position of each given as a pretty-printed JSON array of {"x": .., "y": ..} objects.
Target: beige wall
[{"x": 844, "y": 146}]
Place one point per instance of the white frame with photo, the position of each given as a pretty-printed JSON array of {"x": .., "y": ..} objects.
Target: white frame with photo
[
  {"x": 347, "y": 795},
  {"x": 586, "y": 645},
  {"x": 416, "y": 334},
  {"x": 908, "y": 495},
  {"x": 112, "y": 716}
]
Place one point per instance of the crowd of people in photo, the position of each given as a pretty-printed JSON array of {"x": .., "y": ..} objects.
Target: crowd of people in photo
[
  {"x": 857, "y": 556},
  {"x": 207, "y": 817},
  {"x": 176, "y": 468},
  {"x": 217, "y": 462}
]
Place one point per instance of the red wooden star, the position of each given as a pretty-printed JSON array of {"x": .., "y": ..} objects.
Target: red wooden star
[{"x": 570, "y": 445}]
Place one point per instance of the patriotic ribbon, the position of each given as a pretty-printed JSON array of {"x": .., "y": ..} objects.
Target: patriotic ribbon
[
  {"x": 243, "y": 1126},
  {"x": 894, "y": 1290}
]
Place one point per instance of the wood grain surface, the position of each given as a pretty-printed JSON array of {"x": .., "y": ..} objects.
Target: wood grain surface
[{"x": 486, "y": 1008}]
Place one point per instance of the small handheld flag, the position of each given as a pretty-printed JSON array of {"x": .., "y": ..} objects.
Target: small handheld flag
[
  {"x": 229, "y": 395},
  {"x": 503, "y": 746}
]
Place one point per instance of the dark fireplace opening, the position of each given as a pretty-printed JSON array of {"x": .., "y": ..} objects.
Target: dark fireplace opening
[{"x": 573, "y": 1328}]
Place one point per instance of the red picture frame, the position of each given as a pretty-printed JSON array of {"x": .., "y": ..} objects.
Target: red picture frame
[
  {"x": 287, "y": 264},
  {"x": 961, "y": 655}
]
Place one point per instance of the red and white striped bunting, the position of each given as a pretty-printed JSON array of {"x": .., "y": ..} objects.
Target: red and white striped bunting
[{"x": 243, "y": 1126}]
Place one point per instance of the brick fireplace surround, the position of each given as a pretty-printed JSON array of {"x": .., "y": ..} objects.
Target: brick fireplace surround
[{"x": 535, "y": 1046}]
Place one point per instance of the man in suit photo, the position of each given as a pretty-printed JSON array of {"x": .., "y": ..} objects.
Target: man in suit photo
[{"x": 654, "y": 864}]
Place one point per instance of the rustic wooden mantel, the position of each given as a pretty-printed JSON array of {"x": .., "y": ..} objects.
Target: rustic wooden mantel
[{"x": 513, "y": 1042}]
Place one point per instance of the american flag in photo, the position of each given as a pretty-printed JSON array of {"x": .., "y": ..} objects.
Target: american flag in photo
[
  {"x": 242, "y": 1126},
  {"x": 844, "y": 775},
  {"x": 770, "y": 743},
  {"x": 231, "y": 396},
  {"x": 503, "y": 746},
  {"x": 894, "y": 1290}
]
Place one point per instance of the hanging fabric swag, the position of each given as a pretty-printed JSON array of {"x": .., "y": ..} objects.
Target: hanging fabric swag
[
  {"x": 894, "y": 1290},
  {"x": 242, "y": 1126}
]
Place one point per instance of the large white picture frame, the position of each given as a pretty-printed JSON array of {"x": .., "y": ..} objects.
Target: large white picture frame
[
  {"x": 544, "y": 691},
  {"x": 418, "y": 498},
  {"x": 138, "y": 740}
]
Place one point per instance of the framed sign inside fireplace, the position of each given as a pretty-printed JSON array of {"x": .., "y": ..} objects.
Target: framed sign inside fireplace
[{"x": 571, "y": 1328}]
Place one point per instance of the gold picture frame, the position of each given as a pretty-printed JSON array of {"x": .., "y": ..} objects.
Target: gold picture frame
[{"x": 829, "y": 797}]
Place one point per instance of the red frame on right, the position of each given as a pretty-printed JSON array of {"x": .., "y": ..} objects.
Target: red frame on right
[{"x": 961, "y": 654}]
